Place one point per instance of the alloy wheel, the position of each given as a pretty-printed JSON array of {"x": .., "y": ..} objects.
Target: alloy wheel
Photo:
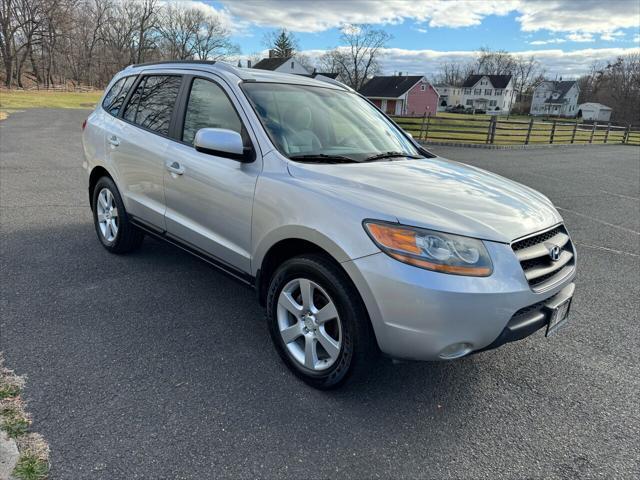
[
  {"x": 107, "y": 214},
  {"x": 309, "y": 324}
]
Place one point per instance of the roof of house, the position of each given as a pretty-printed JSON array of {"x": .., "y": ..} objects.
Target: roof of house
[
  {"x": 599, "y": 106},
  {"x": 270, "y": 63},
  {"x": 498, "y": 81},
  {"x": 389, "y": 87},
  {"x": 561, "y": 88}
]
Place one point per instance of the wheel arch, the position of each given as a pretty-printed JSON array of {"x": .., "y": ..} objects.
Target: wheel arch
[
  {"x": 287, "y": 243},
  {"x": 96, "y": 174}
]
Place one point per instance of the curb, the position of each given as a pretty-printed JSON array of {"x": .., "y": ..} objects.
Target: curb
[
  {"x": 516, "y": 147},
  {"x": 8, "y": 456}
]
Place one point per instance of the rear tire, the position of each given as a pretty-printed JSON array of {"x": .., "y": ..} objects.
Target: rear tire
[
  {"x": 113, "y": 227},
  {"x": 324, "y": 335}
]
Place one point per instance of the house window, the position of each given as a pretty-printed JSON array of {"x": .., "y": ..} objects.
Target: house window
[
  {"x": 487, "y": 91},
  {"x": 493, "y": 103},
  {"x": 292, "y": 65},
  {"x": 477, "y": 91},
  {"x": 498, "y": 91},
  {"x": 469, "y": 102},
  {"x": 467, "y": 91},
  {"x": 423, "y": 87}
]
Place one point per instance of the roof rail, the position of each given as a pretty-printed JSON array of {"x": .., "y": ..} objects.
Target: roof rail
[
  {"x": 217, "y": 63},
  {"x": 165, "y": 62},
  {"x": 332, "y": 81}
]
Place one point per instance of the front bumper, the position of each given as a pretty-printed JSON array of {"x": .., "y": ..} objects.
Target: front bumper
[{"x": 418, "y": 314}]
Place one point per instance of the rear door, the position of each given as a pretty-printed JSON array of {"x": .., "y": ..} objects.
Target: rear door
[
  {"x": 209, "y": 198},
  {"x": 137, "y": 141}
]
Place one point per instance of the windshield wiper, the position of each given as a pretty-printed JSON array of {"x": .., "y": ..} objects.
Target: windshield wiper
[
  {"x": 381, "y": 156},
  {"x": 323, "y": 158}
]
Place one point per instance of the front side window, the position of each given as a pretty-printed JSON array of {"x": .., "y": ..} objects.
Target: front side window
[
  {"x": 317, "y": 121},
  {"x": 469, "y": 102},
  {"x": 498, "y": 91},
  {"x": 487, "y": 91},
  {"x": 152, "y": 103},
  {"x": 208, "y": 107},
  {"x": 115, "y": 98},
  {"x": 477, "y": 91},
  {"x": 467, "y": 91}
]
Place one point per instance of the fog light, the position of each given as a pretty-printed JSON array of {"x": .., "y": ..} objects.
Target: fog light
[{"x": 455, "y": 350}]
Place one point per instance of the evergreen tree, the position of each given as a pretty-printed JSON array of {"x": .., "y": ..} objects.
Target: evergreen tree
[{"x": 283, "y": 44}]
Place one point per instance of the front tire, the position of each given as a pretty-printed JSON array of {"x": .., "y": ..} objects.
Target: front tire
[
  {"x": 113, "y": 227},
  {"x": 318, "y": 322}
]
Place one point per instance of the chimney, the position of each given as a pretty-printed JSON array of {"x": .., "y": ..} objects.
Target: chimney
[
  {"x": 272, "y": 53},
  {"x": 399, "y": 74},
  {"x": 248, "y": 63}
]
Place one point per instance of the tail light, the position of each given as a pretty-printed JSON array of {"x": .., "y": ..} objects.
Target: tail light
[{"x": 84, "y": 124}]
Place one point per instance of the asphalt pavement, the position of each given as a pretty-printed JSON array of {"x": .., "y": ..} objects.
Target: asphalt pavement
[{"x": 154, "y": 365}]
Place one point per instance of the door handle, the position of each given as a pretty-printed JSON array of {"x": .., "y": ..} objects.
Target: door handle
[
  {"x": 176, "y": 168},
  {"x": 113, "y": 140}
]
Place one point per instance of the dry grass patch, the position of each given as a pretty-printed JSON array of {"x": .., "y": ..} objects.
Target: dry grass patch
[{"x": 33, "y": 462}]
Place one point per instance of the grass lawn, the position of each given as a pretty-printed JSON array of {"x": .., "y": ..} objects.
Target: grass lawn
[{"x": 19, "y": 99}]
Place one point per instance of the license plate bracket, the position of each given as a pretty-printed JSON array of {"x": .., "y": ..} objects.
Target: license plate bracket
[{"x": 559, "y": 316}]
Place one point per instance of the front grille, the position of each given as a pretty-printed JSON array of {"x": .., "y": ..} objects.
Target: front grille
[{"x": 535, "y": 258}]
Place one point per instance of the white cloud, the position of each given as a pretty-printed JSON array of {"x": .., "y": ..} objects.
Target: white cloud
[
  {"x": 593, "y": 16},
  {"x": 586, "y": 16},
  {"x": 555, "y": 61},
  {"x": 234, "y": 25},
  {"x": 548, "y": 41},
  {"x": 612, "y": 36},
  {"x": 305, "y": 16},
  {"x": 581, "y": 37}
]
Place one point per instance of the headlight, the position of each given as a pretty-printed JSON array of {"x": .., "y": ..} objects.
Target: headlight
[{"x": 441, "y": 252}]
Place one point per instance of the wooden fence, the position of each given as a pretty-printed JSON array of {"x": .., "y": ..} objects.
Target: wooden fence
[{"x": 503, "y": 131}]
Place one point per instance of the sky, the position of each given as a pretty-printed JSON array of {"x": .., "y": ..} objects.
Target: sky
[{"x": 566, "y": 36}]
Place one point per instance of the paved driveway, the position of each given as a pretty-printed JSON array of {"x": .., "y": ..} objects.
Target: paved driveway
[{"x": 154, "y": 365}]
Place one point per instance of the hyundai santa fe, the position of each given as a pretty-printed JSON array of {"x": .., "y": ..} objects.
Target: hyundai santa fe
[{"x": 357, "y": 240}]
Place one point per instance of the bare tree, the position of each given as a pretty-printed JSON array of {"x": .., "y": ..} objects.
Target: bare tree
[
  {"x": 212, "y": 40},
  {"x": 452, "y": 73},
  {"x": 357, "y": 59},
  {"x": 498, "y": 62}
]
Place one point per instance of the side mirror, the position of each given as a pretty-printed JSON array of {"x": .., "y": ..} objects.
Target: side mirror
[{"x": 221, "y": 142}]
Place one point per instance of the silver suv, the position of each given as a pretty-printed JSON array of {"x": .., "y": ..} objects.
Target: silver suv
[{"x": 356, "y": 239}]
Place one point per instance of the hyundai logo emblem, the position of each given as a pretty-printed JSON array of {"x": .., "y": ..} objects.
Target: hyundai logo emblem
[{"x": 554, "y": 252}]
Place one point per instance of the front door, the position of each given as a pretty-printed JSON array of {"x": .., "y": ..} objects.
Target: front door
[
  {"x": 209, "y": 198},
  {"x": 391, "y": 107}
]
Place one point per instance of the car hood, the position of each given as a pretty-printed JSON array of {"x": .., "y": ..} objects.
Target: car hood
[{"x": 435, "y": 193}]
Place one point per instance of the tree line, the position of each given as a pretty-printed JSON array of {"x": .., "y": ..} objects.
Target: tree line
[
  {"x": 85, "y": 42},
  {"x": 50, "y": 42}
]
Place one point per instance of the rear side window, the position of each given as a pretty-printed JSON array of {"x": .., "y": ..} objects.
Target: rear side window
[
  {"x": 208, "y": 107},
  {"x": 152, "y": 103},
  {"x": 115, "y": 98}
]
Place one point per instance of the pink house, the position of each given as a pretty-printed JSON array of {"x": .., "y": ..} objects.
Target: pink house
[{"x": 402, "y": 95}]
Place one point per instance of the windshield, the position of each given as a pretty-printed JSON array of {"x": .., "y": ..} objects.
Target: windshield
[{"x": 322, "y": 124}]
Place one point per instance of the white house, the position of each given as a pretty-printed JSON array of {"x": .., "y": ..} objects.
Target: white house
[
  {"x": 488, "y": 92},
  {"x": 282, "y": 65},
  {"x": 450, "y": 95},
  {"x": 556, "y": 98},
  {"x": 594, "y": 111}
]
